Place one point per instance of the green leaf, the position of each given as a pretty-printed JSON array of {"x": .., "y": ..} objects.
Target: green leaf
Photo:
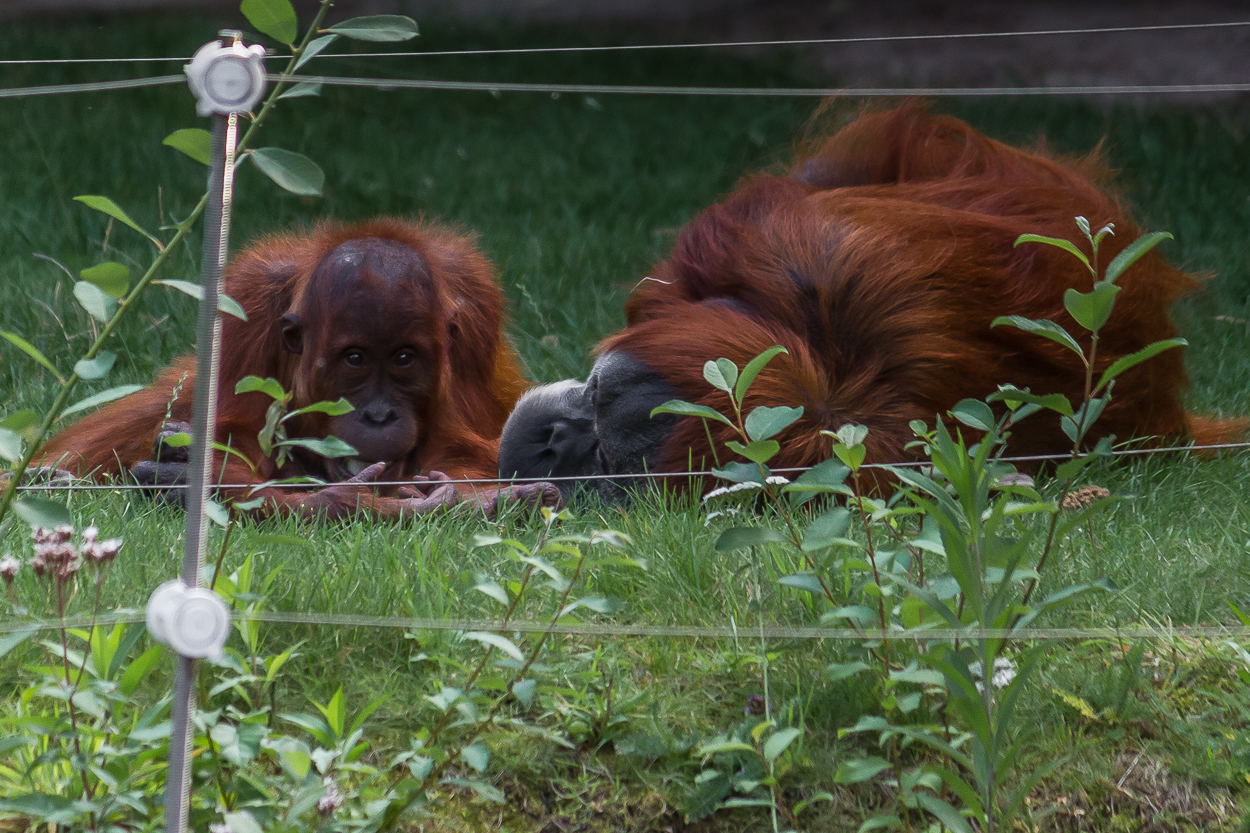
[
  {"x": 1046, "y": 329},
  {"x": 21, "y": 422},
  {"x": 107, "y": 206},
  {"x": 1132, "y": 253},
  {"x": 806, "y": 581},
  {"x": 11, "y": 446},
  {"x": 494, "y": 590},
  {"x": 740, "y": 537},
  {"x": 759, "y": 451},
  {"x": 242, "y": 822},
  {"x": 851, "y": 456},
  {"x": 380, "y": 28},
  {"x": 487, "y": 791},
  {"x": 1014, "y": 396},
  {"x": 721, "y": 745},
  {"x": 302, "y": 89},
  {"x": 739, "y": 473},
  {"x": 192, "y": 141},
  {"x": 112, "y": 278},
  {"x": 974, "y": 413},
  {"x": 753, "y": 369},
  {"x": 828, "y": 476},
  {"x": 35, "y": 805},
  {"x": 827, "y": 529},
  {"x": 945, "y": 813},
  {"x": 101, "y": 398},
  {"x": 860, "y": 769},
  {"x": 1057, "y": 242},
  {"x": 851, "y": 435},
  {"x": 710, "y": 787},
  {"x": 225, "y": 303},
  {"x": 138, "y": 669},
  {"x": 778, "y": 743},
  {"x": 841, "y": 670},
  {"x": 269, "y": 385},
  {"x": 342, "y": 406},
  {"x": 275, "y": 18},
  {"x": 314, "y": 48},
  {"x": 681, "y": 408},
  {"x": 216, "y": 513},
  {"x": 32, "y": 351},
  {"x": 97, "y": 367},
  {"x": 11, "y": 640},
  {"x": 293, "y": 171},
  {"x": 1125, "y": 362},
  {"x": 495, "y": 640},
  {"x": 1091, "y": 309},
  {"x": 38, "y": 511},
  {"x": 524, "y": 691},
  {"x": 330, "y": 447},
  {"x": 721, "y": 374},
  {"x": 764, "y": 422},
  {"x": 98, "y": 305},
  {"x": 476, "y": 756}
]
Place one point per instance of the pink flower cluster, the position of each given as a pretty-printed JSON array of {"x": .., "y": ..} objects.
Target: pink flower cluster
[
  {"x": 8, "y": 568},
  {"x": 58, "y": 556}
]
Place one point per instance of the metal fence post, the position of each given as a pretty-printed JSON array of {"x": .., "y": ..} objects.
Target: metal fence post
[{"x": 227, "y": 79}]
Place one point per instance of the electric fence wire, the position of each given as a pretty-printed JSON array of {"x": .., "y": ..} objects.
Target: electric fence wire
[
  {"x": 770, "y": 632},
  {"x": 632, "y": 478},
  {"x": 498, "y": 87},
  {"x": 661, "y": 631},
  {"x": 613, "y": 89},
  {"x": 547, "y": 50}
]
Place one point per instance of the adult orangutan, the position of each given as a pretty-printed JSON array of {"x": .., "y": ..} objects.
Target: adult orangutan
[
  {"x": 403, "y": 319},
  {"x": 879, "y": 263}
]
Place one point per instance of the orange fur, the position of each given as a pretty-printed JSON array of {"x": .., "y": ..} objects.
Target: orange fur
[
  {"x": 476, "y": 382},
  {"x": 880, "y": 264}
]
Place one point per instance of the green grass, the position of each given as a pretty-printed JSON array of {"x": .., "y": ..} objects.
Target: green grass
[{"x": 574, "y": 199}]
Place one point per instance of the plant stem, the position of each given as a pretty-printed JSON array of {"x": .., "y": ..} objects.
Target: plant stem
[
  {"x": 164, "y": 250},
  {"x": 481, "y": 726},
  {"x": 67, "y": 387},
  {"x": 73, "y": 714}
]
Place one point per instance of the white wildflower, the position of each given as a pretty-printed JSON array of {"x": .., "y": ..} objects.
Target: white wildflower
[
  {"x": 8, "y": 568},
  {"x": 728, "y": 490},
  {"x": 1004, "y": 673},
  {"x": 777, "y": 480},
  {"x": 719, "y": 514}
]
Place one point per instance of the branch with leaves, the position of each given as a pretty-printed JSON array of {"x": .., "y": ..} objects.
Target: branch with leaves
[{"x": 105, "y": 292}]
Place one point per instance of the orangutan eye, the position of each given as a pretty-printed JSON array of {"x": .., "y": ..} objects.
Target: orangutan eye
[
  {"x": 405, "y": 358},
  {"x": 354, "y": 358}
]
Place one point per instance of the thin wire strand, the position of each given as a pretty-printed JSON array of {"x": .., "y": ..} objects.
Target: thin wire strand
[
  {"x": 644, "y": 89},
  {"x": 1033, "y": 458},
  {"x": 1167, "y": 27},
  {"x": 92, "y": 86},
  {"x": 774, "y": 632},
  {"x": 779, "y": 92},
  {"x": 802, "y": 41}
]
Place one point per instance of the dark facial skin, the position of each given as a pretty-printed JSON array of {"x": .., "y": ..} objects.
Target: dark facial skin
[{"x": 364, "y": 333}]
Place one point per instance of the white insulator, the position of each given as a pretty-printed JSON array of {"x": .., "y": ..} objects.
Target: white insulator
[
  {"x": 226, "y": 79},
  {"x": 194, "y": 621}
]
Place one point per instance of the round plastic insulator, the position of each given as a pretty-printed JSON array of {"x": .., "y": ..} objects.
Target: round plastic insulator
[
  {"x": 226, "y": 79},
  {"x": 194, "y": 621}
]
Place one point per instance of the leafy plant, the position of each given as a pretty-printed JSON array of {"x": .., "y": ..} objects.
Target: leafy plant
[
  {"x": 865, "y": 557},
  {"x": 105, "y": 291},
  {"x": 273, "y": 437}
]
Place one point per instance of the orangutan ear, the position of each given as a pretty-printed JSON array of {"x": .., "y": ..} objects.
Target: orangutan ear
[{"x": 292, "y": 333}]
